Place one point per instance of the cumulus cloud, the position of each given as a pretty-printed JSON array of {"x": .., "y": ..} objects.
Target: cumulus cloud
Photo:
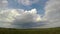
[
  {"x": 27, "y": 2},
  {"x": 16, "y": 17},
  {"x": 23, "y": 18},
  {"x": 52, "y": 13},
  {"x": 3, "y": 3}
]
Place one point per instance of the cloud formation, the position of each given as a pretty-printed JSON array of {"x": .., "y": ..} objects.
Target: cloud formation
[
  {"x": 52, "y": 13},
  {"x": 3, "y": 3},
  {"x": 22, "y": 18},
  {"x": 27, "y": 2},
  {"x": 18, "y": 16}
]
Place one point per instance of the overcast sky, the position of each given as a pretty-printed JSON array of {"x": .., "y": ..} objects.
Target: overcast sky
[{"x": 29, "y": 13}]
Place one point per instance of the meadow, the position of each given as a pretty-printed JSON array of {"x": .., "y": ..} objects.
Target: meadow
[{"x": 30, "y": 31}]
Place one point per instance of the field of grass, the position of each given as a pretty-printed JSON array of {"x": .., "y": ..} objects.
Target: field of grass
[{"x": 30, "y": 31}]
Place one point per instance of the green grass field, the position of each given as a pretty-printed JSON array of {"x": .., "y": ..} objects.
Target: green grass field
[{"x": 30, "y": 31}]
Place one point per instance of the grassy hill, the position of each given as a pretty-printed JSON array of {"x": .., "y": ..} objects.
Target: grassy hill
[{"x": 30, "y": 31}]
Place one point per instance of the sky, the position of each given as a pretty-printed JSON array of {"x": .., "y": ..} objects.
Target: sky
[{"x": 29, "y": 13}]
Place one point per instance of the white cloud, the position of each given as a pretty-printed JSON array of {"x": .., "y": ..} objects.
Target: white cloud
[
  {"x": 7, "y": 15},
  {"x": 52, "y": 14},
  {"x": 12, "y": 17},
  {"x": 19, "y": 16},
  {"x": 27, "y": 2}
]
